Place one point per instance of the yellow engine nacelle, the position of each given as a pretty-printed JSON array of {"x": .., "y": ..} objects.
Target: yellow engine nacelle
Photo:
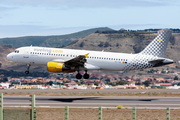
[{"x": 58, "y": 67}]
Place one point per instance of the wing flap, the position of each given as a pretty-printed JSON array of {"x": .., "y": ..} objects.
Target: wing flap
[
  {"x": 58, "y": 60},
  {"x": 77, "y": 61},
  {"x": 91, "y": 67}
]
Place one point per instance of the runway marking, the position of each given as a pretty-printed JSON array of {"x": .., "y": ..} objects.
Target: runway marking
[{"x": 92, "y": 104}]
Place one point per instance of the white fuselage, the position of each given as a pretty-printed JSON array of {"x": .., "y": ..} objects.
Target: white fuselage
[{"x": 96, "y": 60}]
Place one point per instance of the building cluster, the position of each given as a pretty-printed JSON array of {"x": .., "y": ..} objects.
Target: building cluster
[{"x": 97, "y": 81}]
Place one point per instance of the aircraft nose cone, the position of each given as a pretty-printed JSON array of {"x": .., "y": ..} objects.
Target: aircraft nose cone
[{"x": 9, "y": 56}]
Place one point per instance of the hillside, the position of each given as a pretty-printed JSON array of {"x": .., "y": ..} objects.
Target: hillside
[{"x": 48, "y": 41}]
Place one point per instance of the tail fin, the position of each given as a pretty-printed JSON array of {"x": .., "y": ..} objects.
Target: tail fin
[{"x": 158, "y": 46}]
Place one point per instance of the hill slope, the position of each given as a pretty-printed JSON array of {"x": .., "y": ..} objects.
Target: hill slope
[{"x": 48, "y": 41}]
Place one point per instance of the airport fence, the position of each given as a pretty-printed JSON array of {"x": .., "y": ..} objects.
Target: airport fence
[{"x": 34, "y": 113}]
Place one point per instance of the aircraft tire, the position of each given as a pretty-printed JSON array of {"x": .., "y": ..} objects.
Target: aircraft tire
[
  {"x": 86, "y": 76},
  {"x": 26, "y": 72},
  {"x": 78, "y": 76}
]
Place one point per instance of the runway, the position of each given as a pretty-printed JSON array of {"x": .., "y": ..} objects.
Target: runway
[
  {"x": 90, "y": 91},
  {"x": 90, "y": 102}
]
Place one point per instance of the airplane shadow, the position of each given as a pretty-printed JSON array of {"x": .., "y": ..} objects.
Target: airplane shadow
[
  {"x": 97, "y": 99},
  {"x": 80, "y": 99}
]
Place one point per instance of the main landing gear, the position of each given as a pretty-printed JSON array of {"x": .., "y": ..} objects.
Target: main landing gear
[
  {"x": 79, "y": 76},
  {"x": 27, "y": 71}
]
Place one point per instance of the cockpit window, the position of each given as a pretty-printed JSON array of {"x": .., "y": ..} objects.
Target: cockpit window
[{"x": 16, "y": 51}]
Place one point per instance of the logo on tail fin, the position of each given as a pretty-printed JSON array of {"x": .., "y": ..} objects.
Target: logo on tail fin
[{"x": 158, "y": 46}]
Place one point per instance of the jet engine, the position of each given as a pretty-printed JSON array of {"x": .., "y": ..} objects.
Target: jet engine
[{"x": 58, "y": 67}]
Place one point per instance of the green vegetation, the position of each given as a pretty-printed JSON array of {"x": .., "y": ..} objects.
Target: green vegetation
[
  {"x": 17, "y": 114},
  {"x": 119, "y": 107}
]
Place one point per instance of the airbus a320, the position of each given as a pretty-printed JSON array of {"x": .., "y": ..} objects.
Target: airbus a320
[{"x": 70, "y": 60}]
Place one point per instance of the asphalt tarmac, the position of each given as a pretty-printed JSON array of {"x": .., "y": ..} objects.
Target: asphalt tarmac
[
  {"x": 90, "y": 102},
  {"x": 90, "y": 91}
]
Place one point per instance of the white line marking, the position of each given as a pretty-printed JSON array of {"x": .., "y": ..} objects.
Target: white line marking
[{"x": 90, "y": 104}]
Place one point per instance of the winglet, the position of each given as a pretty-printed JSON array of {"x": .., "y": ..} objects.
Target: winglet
[{"x": 86, "y": 55}]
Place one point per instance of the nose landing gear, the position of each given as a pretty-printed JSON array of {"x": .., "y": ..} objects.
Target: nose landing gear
[{"x": 27, "y": 71}]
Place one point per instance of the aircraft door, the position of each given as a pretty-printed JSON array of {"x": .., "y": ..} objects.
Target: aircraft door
[{"x": 26, "y": 54}]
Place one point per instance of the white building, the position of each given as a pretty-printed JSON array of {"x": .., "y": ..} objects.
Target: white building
[{"x": 4, "y": 85}]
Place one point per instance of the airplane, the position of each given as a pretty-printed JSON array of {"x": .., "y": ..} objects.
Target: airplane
[{"x": 70, "y": 60}]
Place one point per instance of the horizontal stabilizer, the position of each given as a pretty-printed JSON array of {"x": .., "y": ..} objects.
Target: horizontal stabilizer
[
  {"x": 156, "y": 61},
  {"x": 161, "y": 62}
]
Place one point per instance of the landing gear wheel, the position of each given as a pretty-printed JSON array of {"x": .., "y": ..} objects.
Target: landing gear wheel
[
  {"x": 26, "y": 72},
  {"x": 78, "y": 76},
  {"x": 86, "y": 76}
]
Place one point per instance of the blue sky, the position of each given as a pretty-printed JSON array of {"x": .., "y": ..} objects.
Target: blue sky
[{"x": 58, "y": 17}]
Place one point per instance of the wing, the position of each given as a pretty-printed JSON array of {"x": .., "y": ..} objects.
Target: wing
[{"x": 77, "y": 61}]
